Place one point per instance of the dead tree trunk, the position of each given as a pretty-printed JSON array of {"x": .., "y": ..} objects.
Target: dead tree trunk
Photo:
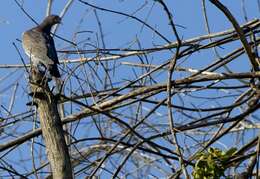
[{"x": 56, "y": 148}]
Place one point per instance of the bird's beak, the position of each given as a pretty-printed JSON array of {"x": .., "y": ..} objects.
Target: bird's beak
[{"x": 60, "y": 21}]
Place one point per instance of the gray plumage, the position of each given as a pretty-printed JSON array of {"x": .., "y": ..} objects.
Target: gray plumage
[{"x": 39, "y": 46}]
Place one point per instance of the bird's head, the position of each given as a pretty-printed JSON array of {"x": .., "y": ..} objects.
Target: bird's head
[
  {"x": 52, "y": 20},
  {"x": 48, "y": 22}
]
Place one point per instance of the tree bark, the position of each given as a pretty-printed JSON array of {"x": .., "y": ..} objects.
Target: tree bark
[{"x": 56, "y": 148}]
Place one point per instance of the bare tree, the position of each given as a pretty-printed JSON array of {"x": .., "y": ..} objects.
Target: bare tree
[{"x": 144, "y": 102}]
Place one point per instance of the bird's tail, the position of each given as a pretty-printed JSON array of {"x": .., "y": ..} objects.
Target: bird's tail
[{"x": 54, "y": 71}]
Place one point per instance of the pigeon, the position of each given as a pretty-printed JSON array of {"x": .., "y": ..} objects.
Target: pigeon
[{"x": 39, "y": 46}]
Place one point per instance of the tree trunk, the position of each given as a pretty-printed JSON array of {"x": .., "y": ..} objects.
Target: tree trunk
[{"x": 57, "y": 151}]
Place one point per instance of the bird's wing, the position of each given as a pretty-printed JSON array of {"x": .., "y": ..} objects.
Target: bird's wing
[
  {"x": 40, "y": 47},
  {"x": 51, "y": 50}
]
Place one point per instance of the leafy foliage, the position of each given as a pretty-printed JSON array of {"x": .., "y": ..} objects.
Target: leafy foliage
[{"x": 212, "y": 164}]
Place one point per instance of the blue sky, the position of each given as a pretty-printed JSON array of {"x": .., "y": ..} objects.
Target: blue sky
[{"x": 13, "y": 21}]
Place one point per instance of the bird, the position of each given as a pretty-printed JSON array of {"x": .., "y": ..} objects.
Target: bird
[{"x": 39, "y": 46}]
